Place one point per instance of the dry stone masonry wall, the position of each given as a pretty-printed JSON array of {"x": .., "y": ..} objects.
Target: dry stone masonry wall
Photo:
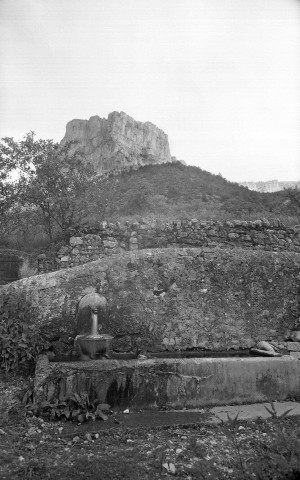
[{"x": 108, "y": 239}]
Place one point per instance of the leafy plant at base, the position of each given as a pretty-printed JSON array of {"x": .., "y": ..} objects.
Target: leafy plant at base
[{"x": 77, "y": 408}]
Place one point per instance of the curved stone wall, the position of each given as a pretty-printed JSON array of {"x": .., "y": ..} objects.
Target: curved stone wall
[{"x": 174, "y": 298}]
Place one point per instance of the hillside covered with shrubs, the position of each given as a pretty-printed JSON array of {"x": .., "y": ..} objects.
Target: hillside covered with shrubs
[{"x": 176, "y": 191}]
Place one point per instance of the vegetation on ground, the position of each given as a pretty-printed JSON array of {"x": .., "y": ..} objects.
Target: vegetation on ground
[
  {"x": 32, "y": 448},
  {"x": 20, "y": 344}
]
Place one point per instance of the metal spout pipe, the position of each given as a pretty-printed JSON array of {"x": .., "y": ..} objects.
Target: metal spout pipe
[{"x": 94, "y": 323}]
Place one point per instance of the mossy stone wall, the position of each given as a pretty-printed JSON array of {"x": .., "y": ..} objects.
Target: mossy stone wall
[{"x": 174, "y": 298}]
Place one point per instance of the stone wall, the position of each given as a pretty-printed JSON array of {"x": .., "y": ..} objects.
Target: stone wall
[
  {"x": 170, "y": 298},
  {"x": 107, "y": 239}
]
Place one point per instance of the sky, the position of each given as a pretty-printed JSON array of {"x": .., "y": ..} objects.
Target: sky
[{"x": 220, "y": 77}]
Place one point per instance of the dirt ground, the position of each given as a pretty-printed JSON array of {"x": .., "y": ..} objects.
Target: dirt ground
[{"x": 123, "y": 448}]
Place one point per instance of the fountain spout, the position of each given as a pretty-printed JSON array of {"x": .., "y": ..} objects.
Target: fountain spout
[{"x": 95, "y": 327}]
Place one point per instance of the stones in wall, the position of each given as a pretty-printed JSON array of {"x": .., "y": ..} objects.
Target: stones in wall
[
  {"x": 108, "y": 238},
  {"x": 289, "y": 347},
  {"x": 171, "y": 298}
]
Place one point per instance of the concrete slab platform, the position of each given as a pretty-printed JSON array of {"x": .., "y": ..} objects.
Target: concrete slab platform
[
  {"x": 195, "y": 418},
  {"x": 254, "y": 410}
]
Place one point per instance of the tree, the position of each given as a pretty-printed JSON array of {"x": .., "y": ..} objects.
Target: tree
[
  {"x": 49, "y": 180},
  {"x": 293, "y": 195}
]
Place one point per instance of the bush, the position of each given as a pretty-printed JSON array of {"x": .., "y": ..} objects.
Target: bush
[
  {"x": 77, "y": 408},
  {"x": 20, "y": 344}
]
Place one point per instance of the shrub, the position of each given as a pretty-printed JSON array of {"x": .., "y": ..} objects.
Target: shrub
[
  {"x": 20, "y": 343},
  {"x": 19, "y": 346}
]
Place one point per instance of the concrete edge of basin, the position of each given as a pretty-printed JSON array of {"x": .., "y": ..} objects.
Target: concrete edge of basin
[{"x": 174, "y": 383}]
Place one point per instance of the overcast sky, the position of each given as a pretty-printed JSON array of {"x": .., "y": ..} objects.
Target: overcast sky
[{"x": 220, "y": 77}]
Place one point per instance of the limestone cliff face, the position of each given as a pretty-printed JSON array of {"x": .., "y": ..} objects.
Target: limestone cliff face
[{"x": 118, "y": 142}]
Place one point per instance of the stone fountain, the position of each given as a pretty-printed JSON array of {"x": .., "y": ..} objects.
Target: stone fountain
[{"x": 90, "y": 343}]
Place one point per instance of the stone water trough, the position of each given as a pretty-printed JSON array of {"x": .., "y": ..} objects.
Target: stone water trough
[{"x": 174, "y": 383}]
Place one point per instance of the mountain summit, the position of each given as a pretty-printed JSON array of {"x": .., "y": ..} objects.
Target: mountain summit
[{"x": 118, "y": 142}]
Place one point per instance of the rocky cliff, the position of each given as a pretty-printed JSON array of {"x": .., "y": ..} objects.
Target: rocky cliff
[{"x": 118, "y": 142}]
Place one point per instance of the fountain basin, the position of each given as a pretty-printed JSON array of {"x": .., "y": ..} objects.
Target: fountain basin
[
  {"x": 174, "y": 383},
  {"x": 91, "y": 346}
]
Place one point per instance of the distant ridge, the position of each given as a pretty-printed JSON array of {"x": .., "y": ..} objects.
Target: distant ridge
[{"x": 270, "y": 186}]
